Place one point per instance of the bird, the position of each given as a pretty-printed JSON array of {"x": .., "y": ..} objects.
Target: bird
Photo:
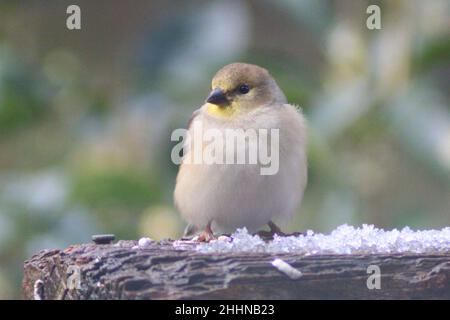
[{"x": 222, "y": 197}]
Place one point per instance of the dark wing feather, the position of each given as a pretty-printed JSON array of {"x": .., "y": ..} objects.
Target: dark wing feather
[{"x": 191, "y": 119}]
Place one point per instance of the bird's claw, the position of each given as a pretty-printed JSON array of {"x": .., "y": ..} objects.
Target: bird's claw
[{"x": 205, "y": 236}]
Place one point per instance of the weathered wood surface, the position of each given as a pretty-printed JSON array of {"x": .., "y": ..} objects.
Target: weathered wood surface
[{"x": 161, "y": 272}]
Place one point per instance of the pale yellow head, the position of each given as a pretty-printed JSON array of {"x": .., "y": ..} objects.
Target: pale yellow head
[{"x": 241, "y": 87}]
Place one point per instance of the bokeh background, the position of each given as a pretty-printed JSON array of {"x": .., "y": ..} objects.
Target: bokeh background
[{"x": 86, "y": 116}]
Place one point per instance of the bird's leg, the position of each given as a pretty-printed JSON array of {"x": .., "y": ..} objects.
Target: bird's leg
[
  {"x": 206, "y": 235},
  {"x": 274, "y": 229}
]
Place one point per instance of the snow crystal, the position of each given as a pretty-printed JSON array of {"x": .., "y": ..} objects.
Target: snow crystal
[
  {"x": 142, "y": 243},
  {"x": 224, "y": 238},
  {"x": 343, "y": 240}
]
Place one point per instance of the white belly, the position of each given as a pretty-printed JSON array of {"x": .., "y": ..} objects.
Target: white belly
[
  {"x": 237, "y": 195},
  {"x": 233, "y": 196}
]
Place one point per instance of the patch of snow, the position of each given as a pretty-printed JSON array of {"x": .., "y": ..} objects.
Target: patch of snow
[{"x": 344, "y": 239}]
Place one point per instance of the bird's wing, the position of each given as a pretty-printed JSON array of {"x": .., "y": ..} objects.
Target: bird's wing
[{"x": 191, "y": 119}]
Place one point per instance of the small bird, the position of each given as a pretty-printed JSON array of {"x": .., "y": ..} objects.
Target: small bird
[{"x": 223, "y": 196}]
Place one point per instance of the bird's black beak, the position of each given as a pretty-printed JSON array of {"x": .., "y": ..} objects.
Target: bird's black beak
[{"x": 217, "y": 97}]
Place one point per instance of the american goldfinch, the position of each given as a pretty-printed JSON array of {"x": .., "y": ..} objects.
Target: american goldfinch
[{"x": 222, "y": 196}]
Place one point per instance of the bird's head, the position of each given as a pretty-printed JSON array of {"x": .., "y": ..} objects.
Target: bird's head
[{"x": 241, "y": 87}]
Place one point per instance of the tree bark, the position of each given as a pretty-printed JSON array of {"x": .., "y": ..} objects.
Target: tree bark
[{"x": 160, "y": 271}]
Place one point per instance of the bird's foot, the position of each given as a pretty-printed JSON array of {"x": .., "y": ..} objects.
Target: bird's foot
[
  {"x": 205, "y": 236},
  {"x": 274, "y": 230},
  {"x": 265, "y": 235}
]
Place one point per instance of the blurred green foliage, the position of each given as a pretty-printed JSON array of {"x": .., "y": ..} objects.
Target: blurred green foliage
[
  {"x": 115, "y": 189},
  {"x": 21, "y": 105}
]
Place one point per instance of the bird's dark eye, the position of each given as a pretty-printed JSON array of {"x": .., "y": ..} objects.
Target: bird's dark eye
[{"x": 244, "y": 89}]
